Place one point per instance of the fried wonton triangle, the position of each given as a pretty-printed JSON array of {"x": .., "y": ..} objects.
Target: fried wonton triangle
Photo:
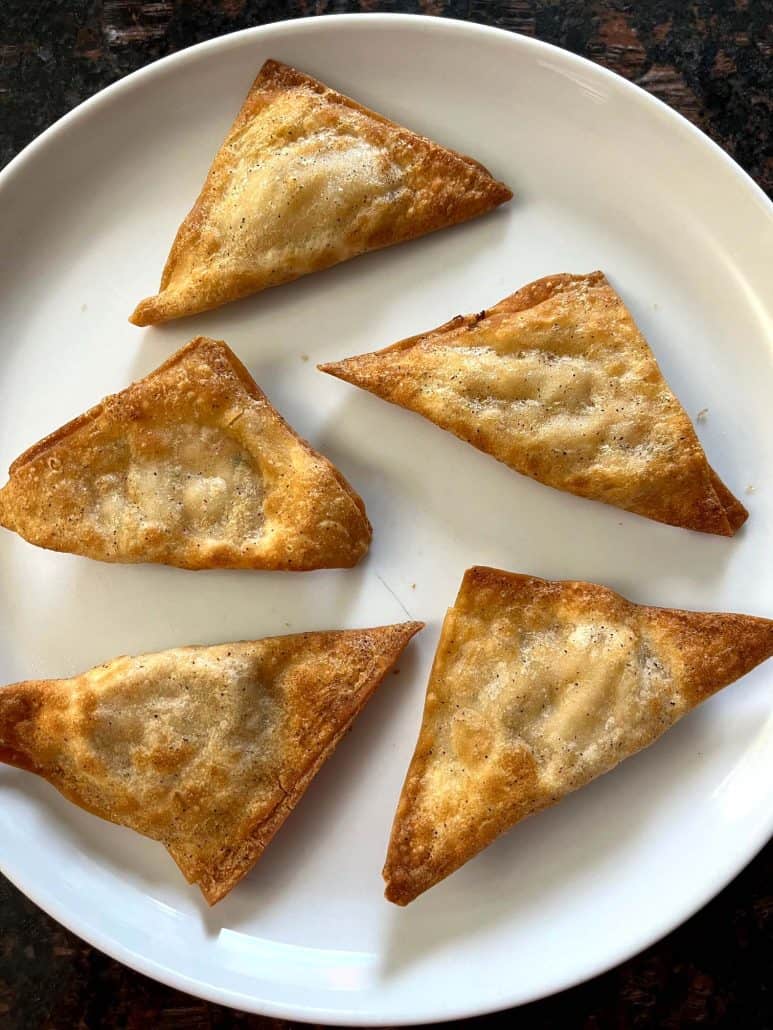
[
  {"x": 537, "y": 688},
  {"x": 307, "y": 178},
  {"x": 206, "y": 749},
  {"x": 557, "y": 382},
  {"x": 190, "y": 466}
]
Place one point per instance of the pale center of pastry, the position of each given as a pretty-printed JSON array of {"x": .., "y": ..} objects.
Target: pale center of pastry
[
  {"x": 575, "y": 692},
  {"x": 567, "y": 402},
  {"x": 560, "y": 393},
  {"x": 572, "y": 698},
  {"x": 194, "y": 480},
  {"x": 205, "y": 498},
  {"x": 304, "y": 198}
]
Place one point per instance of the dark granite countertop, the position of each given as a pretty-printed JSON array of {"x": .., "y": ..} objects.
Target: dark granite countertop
[{"x": 713, "y": 62}]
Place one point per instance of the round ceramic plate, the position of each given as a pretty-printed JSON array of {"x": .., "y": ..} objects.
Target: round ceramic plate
[{"x": 605, "y": 177}]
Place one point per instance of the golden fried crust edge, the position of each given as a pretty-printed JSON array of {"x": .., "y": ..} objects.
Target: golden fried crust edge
[
  {"x": 689, "y": 632},
  {"x": 359, "y": 527},
  {"x": 198, "y": 343},
  {"x": 19, "y": 702},
  {"x": 216, "y": 887},
  {"x": 275, "y": 78},
  {"x": 279, "y": 77},
  {"x": 720, "y": 514}
]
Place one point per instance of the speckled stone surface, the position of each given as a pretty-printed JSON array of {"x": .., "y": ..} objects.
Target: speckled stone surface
[{"x": 713, "y": 62}]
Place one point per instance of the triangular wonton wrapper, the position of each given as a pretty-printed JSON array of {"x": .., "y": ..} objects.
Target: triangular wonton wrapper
[
  {"x": 537, "y": 688},
  {"x": 190, "y": 466},
  {"x": 557, "y": 382},
  {"x": 206, "y": 749},
  {"x": 307, "y": 178}
]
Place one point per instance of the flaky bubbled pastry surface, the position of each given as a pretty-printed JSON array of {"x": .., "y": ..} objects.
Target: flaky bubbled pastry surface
[
  {"x": 558, "y": 382},
  {"x": 206, "y": 749},
  {"x": 190, "y": 466},
  {"x": 307, "y": 178},
  {"x": 537, "y": 688}
]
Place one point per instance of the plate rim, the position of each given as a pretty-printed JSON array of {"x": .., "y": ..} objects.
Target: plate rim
[
  {"x": 189, "y": 53},
  {"x": 102, "y": 940}
]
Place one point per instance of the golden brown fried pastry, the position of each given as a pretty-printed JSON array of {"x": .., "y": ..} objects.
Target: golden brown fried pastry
[
  {"x": 557, "y": 382},
  {"x": 538, "y": 688},
  {"x": 190, "y": 466},
  {"x": 307, "y": 178},
  {"x": 206, "y": 749}
]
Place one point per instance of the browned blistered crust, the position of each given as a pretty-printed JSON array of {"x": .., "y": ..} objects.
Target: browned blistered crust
[
  {"x": 206, "y": 749},
  {"x": 190, "y": 466},
  {"x": 557, "y": 382},
  {"x": 537, "y": 688},
  {"x": 307, "y": 178}
]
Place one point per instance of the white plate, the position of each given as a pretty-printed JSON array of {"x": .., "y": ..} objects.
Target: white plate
[{"x": 606, "y": 177}]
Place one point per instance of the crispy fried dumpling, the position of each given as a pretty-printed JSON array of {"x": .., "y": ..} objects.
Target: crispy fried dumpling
[
  {"x": 307, "y": 178},
  {"x": 206, "y": 749},
  {"x": 557, "y": 382},
  {"x": 537, "y": 688},
  {"x": 190, "y": 466}
]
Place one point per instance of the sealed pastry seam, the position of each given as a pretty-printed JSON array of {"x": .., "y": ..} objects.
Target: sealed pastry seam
[
  {"x": 558, "y": 383},
  {"x": 190, "y": 466},
  {"x": 307, "y": 178}
]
